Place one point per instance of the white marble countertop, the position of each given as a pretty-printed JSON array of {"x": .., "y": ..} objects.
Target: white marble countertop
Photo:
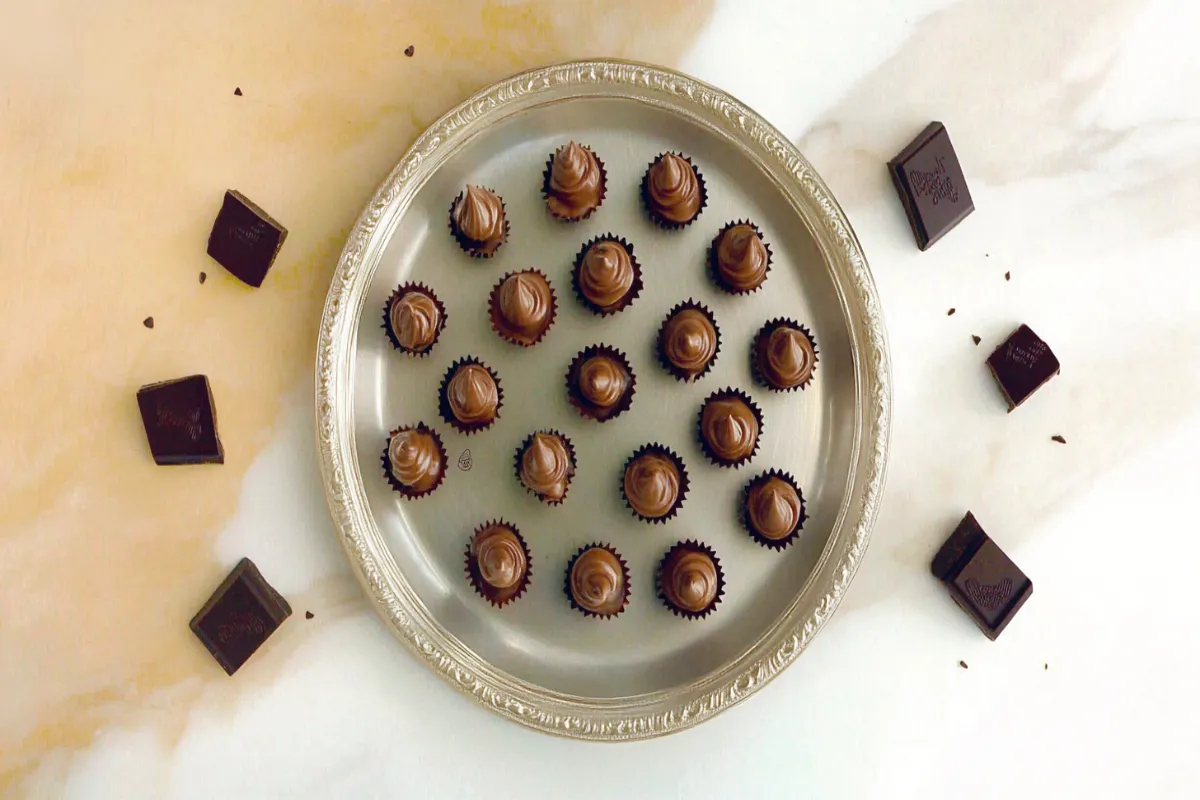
[{"x": 1078, "y": 126}]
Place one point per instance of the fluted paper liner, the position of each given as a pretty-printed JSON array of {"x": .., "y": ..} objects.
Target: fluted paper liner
[
  {"x": 744, "y": 515},
  {"x": 656, "y": 448},
  {"x": 725, "y": 394},
  {"x": 693, "y": 546},
  {"x": 635, "y": 288},
  {"x": 444, "y": 401},
  {"x": 546, "y": 186},
  {"x": 714, "y": 272},
  {"x": 661, "y": 221},
  {"x": 624, "y": 576},
  {"x": 470, "y": 246},
  {"x": 765, "y": 331},
  {"x": 571, "y": 466},
  {"x": 400, "y": 291},
  {"x": 662, "y": 329},
  {"x": 406, "y": 491},
  {"x": 581, "y": 404},
  {"x": 497, "y": 320},
  {"x": 484, "y": 589}
]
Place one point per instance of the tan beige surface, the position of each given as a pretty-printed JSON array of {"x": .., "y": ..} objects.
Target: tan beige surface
[{"x": 121, "y": 132}]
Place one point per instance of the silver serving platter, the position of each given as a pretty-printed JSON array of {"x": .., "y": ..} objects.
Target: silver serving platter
[{"x": 538, "y": 661}]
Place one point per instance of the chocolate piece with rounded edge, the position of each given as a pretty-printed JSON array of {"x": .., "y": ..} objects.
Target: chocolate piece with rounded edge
[
  {"x": 689, "y": 341},
  {"x": 574, "y": 183},
  {"x": 984, "y": 581},
  {"x": 690, "y": 580},
  {"x": 522, "y": 307},
  {"x": 181, "y": 422},
  {"x": 1021, "y": 365},
  {"x": 239, "y": 616},
  {"x": 600, "y": 383},
  {"x": 931, "y": 185},
  {"x": 597, "y": 581},
  {"x": 498, "y": 562},
  {"x": 245, "y": 239}
]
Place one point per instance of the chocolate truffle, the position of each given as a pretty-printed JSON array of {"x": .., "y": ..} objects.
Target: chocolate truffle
[
  {"x": 545, "y": 464},
  {"x": 739, "y": 259},
  {"x": 498, "y": 562},
  {"x": 477, "y": 221},
  {"x": 523, "y": 307},
  {"x": 688, "y": 341},
  {"x": 470, "y": 396},
  {"x": 414, "y": 461},
  {"x": 690, "y": 580},
  {"x": 773, "y": 509},
  {"x": 673, "y": 191},
  {"x": 654, "y": 483},
  {"x": 730, "y": 425},
  {"x": 784, "y": 355},
  {"x": 607, "y": 277},
  {"x": 413, "y": 318},
  {"x": 574, "y": 184},
  {"x": 600, "y": 383},
  {"x": 598, "y": 581}
]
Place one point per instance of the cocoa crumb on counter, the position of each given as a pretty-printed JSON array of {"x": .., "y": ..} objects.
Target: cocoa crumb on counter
[
  {"x": 976, "y": 339},
  {"x": 963, "y": 664},
  {"x": 148, "y": 322},
  {"x": 1058, "y": 438}
]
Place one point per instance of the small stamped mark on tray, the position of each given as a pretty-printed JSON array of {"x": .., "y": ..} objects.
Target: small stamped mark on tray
[{"x": 464, "y": 461}]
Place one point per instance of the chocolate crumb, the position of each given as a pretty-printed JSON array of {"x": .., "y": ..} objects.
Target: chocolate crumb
[
  {"x": 203, "y": 277},
  {"x": 308, "y": 615},
  {"x": 1045, "y": 666},
  {"x": 148, "y": 322},
  {"x": 963, "y": 664},
  {"x": 1058, "y": 438},
  {"x": 238, "y": 91},
  {"x": 408, "y": 51},
  {"x": 976, "y": 339},
  {"x": 1008, "y": 276},
  {"x": 950, "y": 313}
]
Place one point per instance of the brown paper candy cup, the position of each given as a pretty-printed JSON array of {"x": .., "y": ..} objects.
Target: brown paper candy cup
[
  {"x": 547, "y": 194},
  {"x": 570, "y": 465},
  {"x": 658, "y": 449},
  {"x": 726, "y": 394},
  {"x": 714, "y": 271},
  {"x": 444, "y": 401},
  {"x": 744, "y": 509},
  {"x": 497, "y": 597},
  {"x": 624, "y": 574},
  {"x": 635, "y": 288},
  {"x": 695, "y": 547},
  {"x": 400, "y": 291},
  {"x": 586, "y": 408},
  {"x": 405, "y": 491},
  {"x": 470, "y": 246},
  {"x": 649, "y": 204},
  {"x": 757, "y": 353}
]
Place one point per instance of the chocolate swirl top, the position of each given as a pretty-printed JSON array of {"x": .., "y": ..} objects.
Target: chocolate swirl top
[
  {"x": 652, "y": 485},
  {"x": 729, "y": 427},
  {"x": 499, "y": 557},
  {"x": 479, "y": 215},
  {"x": 606, "y": 274},
  {"x": 597, "y": 581},
  {"x": 742, "y": 258},
  {"x": 472, "y": 394},
  {"x": 415, "y": 459},
  {"x": 788, "y": 358},
  {"x": 546, "y": 466},
  {"x": 576, "y": 184},
  {"x": 774, "y": 507},
  {"x": 689, "y": 341},
  {"x": 523, "y": 306},
  {"x": 602, "y": 381},
  {"x": 674, "y": 189},
  {"x": 415, "y": 318},
  {"x": 689, "y": 580}
]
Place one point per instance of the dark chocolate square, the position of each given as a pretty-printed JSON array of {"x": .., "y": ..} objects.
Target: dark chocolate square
[
  {"x": 245, "y": 239},
  {"x": 985, "y": 582},
  {"x": 931, "y": 185},
  {"x": 1021, "y": 365},
  {"x": 241, "y": 614},
  {"x": 181, "y": 422}
]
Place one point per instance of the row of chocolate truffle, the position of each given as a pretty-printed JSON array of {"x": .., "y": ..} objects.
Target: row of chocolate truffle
[{"x": 689, "y": 580}]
